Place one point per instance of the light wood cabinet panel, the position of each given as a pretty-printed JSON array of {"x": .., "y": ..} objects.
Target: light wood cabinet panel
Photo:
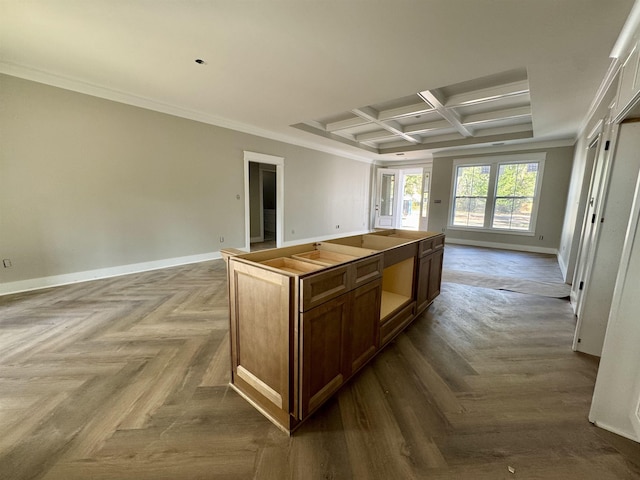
[
  {"x": 261, "y": 321},
  {"x": 324, "y": 286},
  {"x": 422, "y": 283},
  {"x": 367, "y": 270},
  {"x": 435, "y": 275},
  {"x": 304, "y": 319},
  {"x": 395, "y": 324},
  {"x": 364, "y": 330},
  {"x": 429, "y": 274},
  {"x": 323, "y": 331}
]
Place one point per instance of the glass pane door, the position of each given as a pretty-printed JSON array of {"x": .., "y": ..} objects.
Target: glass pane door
[
  {"x": 387, "y": 203},
  {"x": 424, "y": 206},
  {"x": 412, "y": 193}
]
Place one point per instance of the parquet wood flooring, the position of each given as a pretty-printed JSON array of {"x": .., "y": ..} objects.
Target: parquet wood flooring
[{"x": 127, "y": 378}]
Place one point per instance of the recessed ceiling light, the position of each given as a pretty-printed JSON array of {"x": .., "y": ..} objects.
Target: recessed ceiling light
[
  {"x": 199, "y": 61},
  {"x": 400, "y": 154}
]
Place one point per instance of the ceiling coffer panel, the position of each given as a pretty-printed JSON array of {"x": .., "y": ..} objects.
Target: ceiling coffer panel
[{"x": 472, "y": 111}]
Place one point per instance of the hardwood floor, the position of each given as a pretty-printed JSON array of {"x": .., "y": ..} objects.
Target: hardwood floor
[{"x": 126, "y": 378}]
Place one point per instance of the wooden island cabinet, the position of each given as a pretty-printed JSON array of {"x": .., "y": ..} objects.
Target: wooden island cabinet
[{"x": 304, "y": 319}]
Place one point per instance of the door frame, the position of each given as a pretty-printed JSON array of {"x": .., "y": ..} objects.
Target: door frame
[
  {"x": 378, "y": 197},
  {"x": 585, "y": 242},
  {"x": 584, "y": 267},
  {"x": 399, "y": 172},
  {"x": 426, "y": 186},
  {"x": 279, "y": 163}
]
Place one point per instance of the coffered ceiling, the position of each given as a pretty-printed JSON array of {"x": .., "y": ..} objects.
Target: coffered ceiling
[
  {"x": 364, "y": 79},
  {"x": 493, "y": 109}
]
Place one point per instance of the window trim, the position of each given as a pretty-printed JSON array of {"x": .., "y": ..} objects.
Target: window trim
[{"x": 494, "y": 163}]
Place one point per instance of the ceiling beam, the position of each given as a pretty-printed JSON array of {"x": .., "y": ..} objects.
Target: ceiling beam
[
  {"x": 419, "y": 108},
  {"x": 488, "y": 94},
  {"x": 377, "y": 135},
  {"x": 345, "y": 124},
  {"x": 370, "y": 114},
  {"x": 449, "y": 115},
  {"x": 525, "y": 127},
  {"x": 496, "y": 115},
  {"x": 427, "y": 127},
  {"x": 460, "y": 142}
]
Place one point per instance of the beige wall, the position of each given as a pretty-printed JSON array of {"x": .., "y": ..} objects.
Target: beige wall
[
  {"x": 89, "y": 184},
  {"x": 557, "y": 171}
]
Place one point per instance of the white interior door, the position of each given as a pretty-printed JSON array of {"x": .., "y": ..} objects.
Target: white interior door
[
  {"x": 612, "y": 217},
  {"x": 616, "y": 398},
  {"x": 588, "y": 228},
  {"x": 387, "y": 193}
]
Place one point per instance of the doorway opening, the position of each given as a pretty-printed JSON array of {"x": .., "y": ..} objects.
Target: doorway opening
[
  {"x": 264, "y": 199},
  {"x": 262, "y": 211},
  {"x": 402, "y": 199}
]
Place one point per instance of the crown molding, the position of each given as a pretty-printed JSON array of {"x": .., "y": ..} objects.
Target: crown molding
[
  {"x": 605, "y": 85},
  {"x": 629, "y": 30},
  {"x": 93, "y": 90},
  {"x": 516, "y": 147}
]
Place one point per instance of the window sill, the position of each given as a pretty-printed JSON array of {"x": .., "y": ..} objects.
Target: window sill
[{"x": 522, "y": 233}]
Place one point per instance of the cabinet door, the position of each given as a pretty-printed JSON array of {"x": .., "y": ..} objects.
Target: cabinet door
[
  {"x": 422, "y": 284},
  {"x": 364, "y": 324},
  {"x": 429, "y": 278},
  {"x": 435, "y": 275},
  {"x": 323, "y": 331}
]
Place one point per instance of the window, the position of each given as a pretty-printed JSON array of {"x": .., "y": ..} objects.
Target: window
[
  {"x": 499, "y": 194},
  {"x": 515, "y": 192},
  {"x": 472, "y": 189}
]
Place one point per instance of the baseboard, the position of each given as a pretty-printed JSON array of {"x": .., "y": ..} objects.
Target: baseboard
[
  {"x": 563, "y": 266},
  {"x": 88, "y": 275},
  {"x": 292, "y": 243},
  {"x": 503, "y": 246},
  {"x": 630, "y": 436}
]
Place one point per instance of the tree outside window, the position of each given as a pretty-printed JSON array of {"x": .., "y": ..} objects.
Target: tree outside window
[
  {"x": 472, "y": 188},
  {"x": 515, "y": 192},
  {"x": 497, "y": 194}
]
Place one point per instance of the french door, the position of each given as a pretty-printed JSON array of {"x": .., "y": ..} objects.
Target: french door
[{"x": 402, "y": 198}]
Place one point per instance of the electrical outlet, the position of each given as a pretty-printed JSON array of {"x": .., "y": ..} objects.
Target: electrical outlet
[
  {"x": 7, "y": 263},
  {"x": 337, "y": 227},
  {"x": 541, "y": 237},
  {"x": 221, "y": 239}
]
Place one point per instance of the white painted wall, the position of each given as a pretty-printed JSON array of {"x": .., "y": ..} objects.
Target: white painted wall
[{"x": 91, "y": 185}]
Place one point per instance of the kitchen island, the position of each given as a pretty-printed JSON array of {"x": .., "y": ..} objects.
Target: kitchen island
[{"x": 304, "y": 319}]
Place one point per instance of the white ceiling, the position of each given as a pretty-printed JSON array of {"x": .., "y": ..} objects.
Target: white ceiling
[{"x": 272, "y": 64}]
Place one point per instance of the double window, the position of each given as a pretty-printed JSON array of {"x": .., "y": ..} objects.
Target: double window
[{"x": 497, "y": 194}]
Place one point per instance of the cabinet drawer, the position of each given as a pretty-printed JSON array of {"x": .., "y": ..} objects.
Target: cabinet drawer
[
  {"x": 427, "y": 246},
  {"x": 367, "y": 270},
  {"x": 395, "y": 324},
  {"x": 397, "y": 254},
  {"x": 320, "y": 287}
]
